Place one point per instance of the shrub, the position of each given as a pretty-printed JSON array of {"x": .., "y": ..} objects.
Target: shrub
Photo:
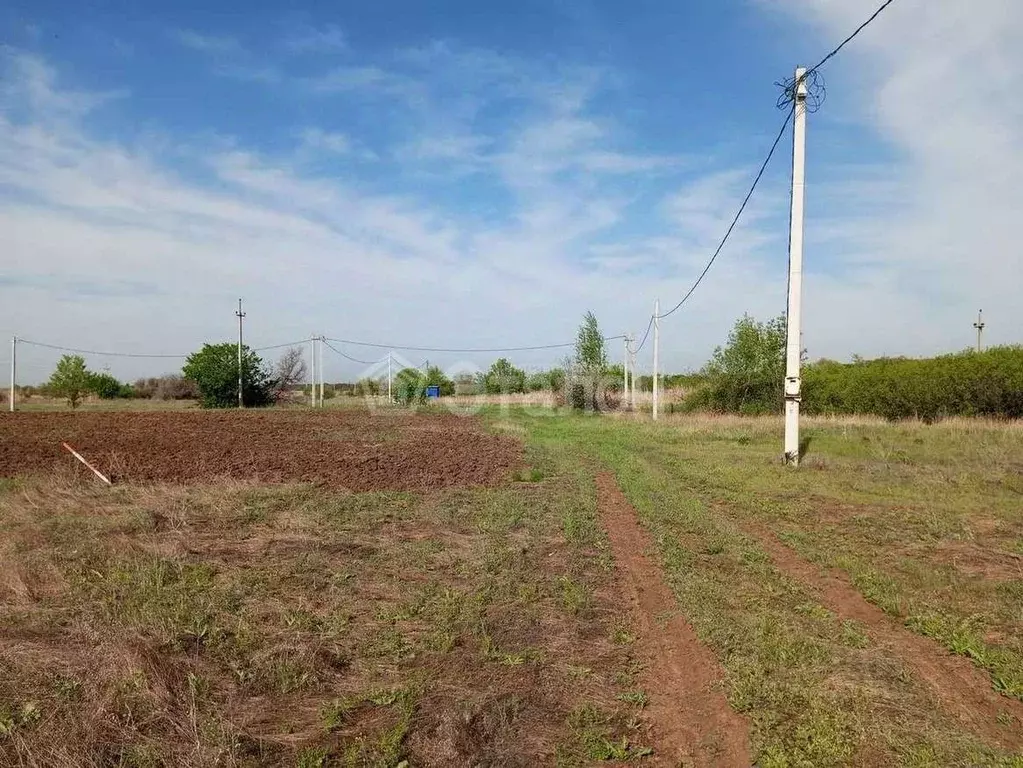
[{"x": 214, "y": 369}]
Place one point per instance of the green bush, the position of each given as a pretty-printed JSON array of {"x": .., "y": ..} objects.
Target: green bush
[
  {"x": 214, "y": 369},
  {"x": 70, "y": 379},
  {"x": 106, "y": 387},
  {"x": 989, "y": 383}
]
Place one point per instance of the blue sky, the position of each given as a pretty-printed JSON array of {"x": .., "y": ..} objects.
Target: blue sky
[{"x": 480, "y": 174}]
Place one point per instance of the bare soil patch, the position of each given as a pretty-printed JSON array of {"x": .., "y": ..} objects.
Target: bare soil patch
[
  {"x": 959, "y": 688},
  {"x": 692, "y": 721},
  {"x": 355, "y": 450}
]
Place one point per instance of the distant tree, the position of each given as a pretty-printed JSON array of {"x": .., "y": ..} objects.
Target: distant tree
[
  {"x": 289, "y": 372},
  {"x": 214, "y": 369},
  {"x": 70, "y": 379},
  {"x": 435, "y": 377},
  {"x": 584, "y": 390},
  {"x": 504, "y": 378},
  {"x": 746, "y": 375},
  {"x": 106, "y": 387},
  {"x": 590, "y": 354}
]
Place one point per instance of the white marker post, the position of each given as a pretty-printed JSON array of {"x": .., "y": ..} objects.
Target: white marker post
[
  {"x": 793, "y": 350},
  {"x": 657, "y": 350}
]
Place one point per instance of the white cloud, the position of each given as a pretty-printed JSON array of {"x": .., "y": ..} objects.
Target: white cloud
[
  {"x": 328, "y": 141},
  {"x": 110, "y": 245},
  {"x": 310, "y": 40},
  {"x": 937, "y": 83},
  {"x": 210, "y": 44}
]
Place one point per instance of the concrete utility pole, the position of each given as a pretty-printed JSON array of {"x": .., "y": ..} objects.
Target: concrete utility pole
[
  {"x": 793, "y": 350},
  {"x": 323, "y": 341},
  {"x": 979, "y": 325},
  {"x": 389, "y": 377},
  {"x": 625, "y": 367},
  {"x": 241, "y": 315},
  {"x": 14, "y": 368},
  {"x": 657, "y": 351},
  {"x": 312, "y": 371},
  {"x": 632, "y": 367}
]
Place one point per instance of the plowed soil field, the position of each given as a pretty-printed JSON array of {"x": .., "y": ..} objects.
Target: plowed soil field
[{"x": 355, "y": 450}]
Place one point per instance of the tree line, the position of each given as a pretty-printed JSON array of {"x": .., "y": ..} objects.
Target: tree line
[{"x": 746, "y": 375}]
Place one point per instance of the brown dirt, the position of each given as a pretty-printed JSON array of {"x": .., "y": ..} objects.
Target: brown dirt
[
  {"x": 355, "y": 450},
  {"x": 958, "y": 687},
  {"x": 692, "y": 721},
  {"x": 981, "y": 561}
]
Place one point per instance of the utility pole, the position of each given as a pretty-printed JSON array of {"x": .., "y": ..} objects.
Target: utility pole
[
  {"x": 320, "y": 368},
  {"x": 632, "y": 367},
  {"x": 793, "y": 350},
  {"x": 241, "y": 315},
  {"x": 14, "y": 368},
  {"x": 657, "y": 351},
  {"x": 389, "y": 377},
  {"x": 625, "y": 367},
  {"x": 312, "y": 371},
  {"x": 979, "y": 325}
]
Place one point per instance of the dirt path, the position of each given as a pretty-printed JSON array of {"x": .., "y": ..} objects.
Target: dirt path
[
  {"x": 958, "y": 687},
  {"x": 692, "y": 721}
]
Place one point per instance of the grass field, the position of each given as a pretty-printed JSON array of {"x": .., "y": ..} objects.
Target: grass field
[
  {"x": 925, "y": 521},
  {"x": 244, "y": 624}
]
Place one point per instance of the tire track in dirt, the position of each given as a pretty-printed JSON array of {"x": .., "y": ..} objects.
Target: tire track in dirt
[
  {"x": 959, "y": 688},
  {"x": 692, "y": 721}
]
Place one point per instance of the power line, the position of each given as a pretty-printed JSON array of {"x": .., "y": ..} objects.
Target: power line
[
  {"x": 646, "y": 335},
  {"x": 466, "y": 349},
  {"x": 138, "y": 354},
  {"x": 735, "y": 220},
  {"x": 788, "y": 98},
  {"x": 94, "y": 352},
  {"x": 349, "y": 357},
  {"x": 849, "y": 39}
]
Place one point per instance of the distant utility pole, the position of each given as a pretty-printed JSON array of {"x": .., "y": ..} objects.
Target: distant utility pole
[
  {"x": 323, "y": 343},
  {"x": 14, "y": 368},
  {"x": 657, "y": 351},
  {"x": 793, "y": 351},
  {"x": 389, "y": 376},
  {"x": 312, "y": 371},
  {"x": 632, "y": 367},
  {"x": 625, "y": 367},
  {"x": 979, "y": 325},
  {"x": 241, "y": 316}
]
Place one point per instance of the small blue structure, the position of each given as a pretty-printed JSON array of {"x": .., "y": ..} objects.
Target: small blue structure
[{"x": 433, "y": 392}]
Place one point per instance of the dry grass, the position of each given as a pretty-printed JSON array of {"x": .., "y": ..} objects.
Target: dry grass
[{"x": 244, "y": 625}]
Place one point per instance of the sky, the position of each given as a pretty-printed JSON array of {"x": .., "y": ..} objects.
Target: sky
[{"x": 464, "y": 174}]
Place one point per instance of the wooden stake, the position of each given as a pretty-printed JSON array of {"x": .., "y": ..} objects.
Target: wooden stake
[{"x": 95, "y": 471}]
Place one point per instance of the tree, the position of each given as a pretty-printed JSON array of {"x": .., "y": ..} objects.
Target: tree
[
  {"x": 409, "y": 386},
  {"x": 590, "y": 354},
  {"x": 504, "y": 378},
  {"x": 214, "y": 369},
  {"x": 289, "y": 372},
  {"x": 746, "y": 375},
  {"x": 584, "y": 389},
  {"x": 70, "y": 379}
]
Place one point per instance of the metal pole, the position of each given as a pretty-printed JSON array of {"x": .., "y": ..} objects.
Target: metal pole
[
  {"x": 312, "y": 371},
  {"x": 14, "y": 368},
  {"x": 320, "y": 369},
  {"x": 241, "y": 401},
  {"x": 389, "y": 377},
  {"x": 657, "y": 351},
  {"x": 793, "y": 351},
  {"x": 979, "y": 325}
]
